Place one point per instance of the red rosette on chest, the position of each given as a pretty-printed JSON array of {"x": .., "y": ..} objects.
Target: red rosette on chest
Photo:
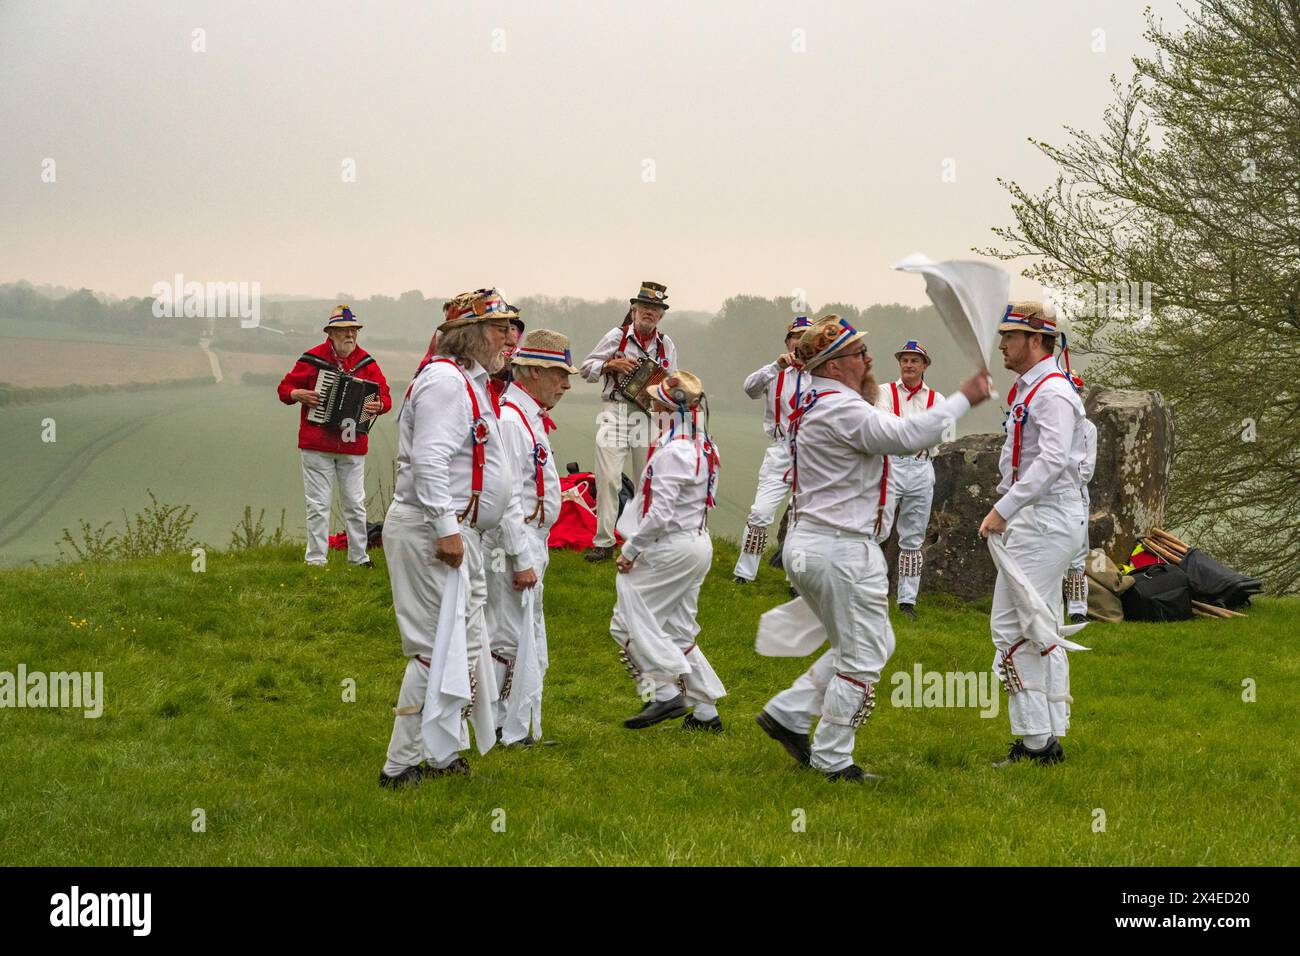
[{"x": 480, "y": 431}]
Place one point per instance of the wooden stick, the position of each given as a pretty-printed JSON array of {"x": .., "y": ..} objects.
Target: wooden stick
[
  {"x": 1172, "y": 538},
  {"x": 1168, "y": 541},
  {"x": 1216, "y": 610},
  {"x": 1160, "y": 552}
]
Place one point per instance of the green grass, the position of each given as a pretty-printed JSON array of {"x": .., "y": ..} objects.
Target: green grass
[{"x": 223, "y": 692}]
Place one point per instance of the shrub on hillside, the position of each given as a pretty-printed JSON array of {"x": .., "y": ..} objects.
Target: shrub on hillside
[
  {"x": 250, "y": 534},
  {"x": 159, "y": 529}
]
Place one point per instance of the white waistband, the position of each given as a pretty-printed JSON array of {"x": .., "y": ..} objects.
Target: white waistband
[{"x": 807, "y": 525}]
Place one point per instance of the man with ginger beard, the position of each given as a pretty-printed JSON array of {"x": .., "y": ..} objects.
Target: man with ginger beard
[
  {"x": 455, "y": 482},
  {"x": 832, "y": 552}
]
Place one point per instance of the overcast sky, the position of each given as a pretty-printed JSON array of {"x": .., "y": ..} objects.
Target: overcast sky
[{"x": 546, "y": 147}]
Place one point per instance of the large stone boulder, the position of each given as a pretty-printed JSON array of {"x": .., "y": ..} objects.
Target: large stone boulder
[
  {"x": 1135, "y": 441},
  {"x": 1135, "y": 450}
]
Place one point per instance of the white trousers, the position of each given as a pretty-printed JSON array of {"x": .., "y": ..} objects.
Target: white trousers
[
  {"x": 911, "y": 482},
  {"x": 622, "y": 432},
  {"x": 1076, "y": 578},
  {"x": 1042, "y": 538},
  {"x": 667, "y": 576},
  {"x": 773, "y": 489},
  {"x": 844, "y": 580},
  {"x": 504, "y": 615},
  {"x": 319, "y": 470},
  {"x": 417, "y": 579}
]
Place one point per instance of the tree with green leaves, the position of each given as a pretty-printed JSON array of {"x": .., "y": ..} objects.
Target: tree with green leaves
[{"x": 1193, "y": 186}]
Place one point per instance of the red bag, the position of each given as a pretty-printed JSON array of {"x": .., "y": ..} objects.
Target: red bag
[{"x": 576, "y": 526}]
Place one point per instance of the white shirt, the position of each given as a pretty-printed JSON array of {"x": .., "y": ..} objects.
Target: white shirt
[
  {"x": 762, "y": 384},
  {"x": 435, "y": 448},
  {"x": 516, "y": 435},
  {"x": 1051, "y": 443},
  {"x": 908, "y": 406},
  {"x": 679, "y": 488},
  {"x": 840, "y": 441},
  {"x": 1088, "y": 465},
  {"x": 607, "y": 348}
]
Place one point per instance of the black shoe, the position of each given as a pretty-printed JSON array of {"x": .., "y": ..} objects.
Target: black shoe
[
  {"x": 739, "y": 580},
  {"x": 1078, "y": 619},
  {"x": 407, "y": 778},
  {"x": 853, "y": 774},
  {"x": 908, "y": 611},
  {"x": 694, "y": 723},
  {"x": 599, "y": 554},
  {"x": 795, "y": 744},
  {"x": 458, "y": 767},
  {"x": 364, "y": 564},
  {"x": 1052, "y": 753},
  {"x": 657, "y": 711},
  {"x": 793, "y": 592}
]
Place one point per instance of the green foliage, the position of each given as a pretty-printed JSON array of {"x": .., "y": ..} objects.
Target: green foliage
[
  {"x": 224, "y": 690},
  {"x": 159, "y": 529},
  {"x": 251, "y": 533},
  {"x": 1192, "y": 186}
]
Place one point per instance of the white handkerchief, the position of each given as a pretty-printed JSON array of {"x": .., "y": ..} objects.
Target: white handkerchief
[
  {"x": 1038, "y": 624},
  {"x": 790, "y": 630},
  {"x": 448, "y": 690}
]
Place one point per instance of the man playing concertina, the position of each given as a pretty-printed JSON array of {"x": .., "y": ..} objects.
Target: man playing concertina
[
  {"x": 333, "y": 454},
  {"x": 623, "y": 428},
  {"x": 838, "y": 441},
  {"x": 541, "y": 368},
  {"x": 666, "y": 554},
  {"x": 456, "y": 482},
  {"x": 911, "y": 477},
  {"x": 781, "y": 385},
  {"x": 1040, "y": 517}
]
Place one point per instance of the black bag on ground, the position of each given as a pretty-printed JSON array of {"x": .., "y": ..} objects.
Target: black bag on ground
[
  {"x": 1160, "y": 592},
  {"x": 1216, "y": 583}
]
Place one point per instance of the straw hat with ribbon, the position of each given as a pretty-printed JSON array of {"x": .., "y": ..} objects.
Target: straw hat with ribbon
[
  {"x": 342, "y": 319},
  {"x": 545, "y": 349},
  {"x": 830, "y": 337},
  {"x": 477, "y": 306}
]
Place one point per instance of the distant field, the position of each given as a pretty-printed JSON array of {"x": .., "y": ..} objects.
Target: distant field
[{"x": 41, "y": 363}]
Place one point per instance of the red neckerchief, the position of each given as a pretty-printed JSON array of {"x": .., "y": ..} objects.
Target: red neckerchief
[{"x": 911, "y": 392}]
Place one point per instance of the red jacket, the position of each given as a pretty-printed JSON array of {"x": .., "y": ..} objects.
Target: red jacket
[{"x": 313, "y": 437}]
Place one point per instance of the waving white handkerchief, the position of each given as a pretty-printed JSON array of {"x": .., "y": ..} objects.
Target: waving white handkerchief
[
  {"x": 790, "y": 630},
  {"x": 1038, "y": 624}
]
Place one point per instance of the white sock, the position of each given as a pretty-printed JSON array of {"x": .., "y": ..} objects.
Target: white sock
[
  {"x": 705, "y": 711},
  {"x": 1036, "y": 741}
]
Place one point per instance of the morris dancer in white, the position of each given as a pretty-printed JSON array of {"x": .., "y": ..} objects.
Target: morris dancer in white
[
  {"x": 911, "y": 477},
  {"x": 517, "y": 628},
  {"x": 1076, "y": 578},
  {"x": 832, "y": 551},
  {"x": 665, "y": 557},
  {"x": 623, "y": 428},
  {"x": 1040, "y": 517},
  {"x": 781, "y": 385},
  {"x": 455, "y": 482}
]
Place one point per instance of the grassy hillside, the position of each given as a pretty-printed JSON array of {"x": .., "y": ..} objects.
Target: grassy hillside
[{"x": 223, "y": 692}]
